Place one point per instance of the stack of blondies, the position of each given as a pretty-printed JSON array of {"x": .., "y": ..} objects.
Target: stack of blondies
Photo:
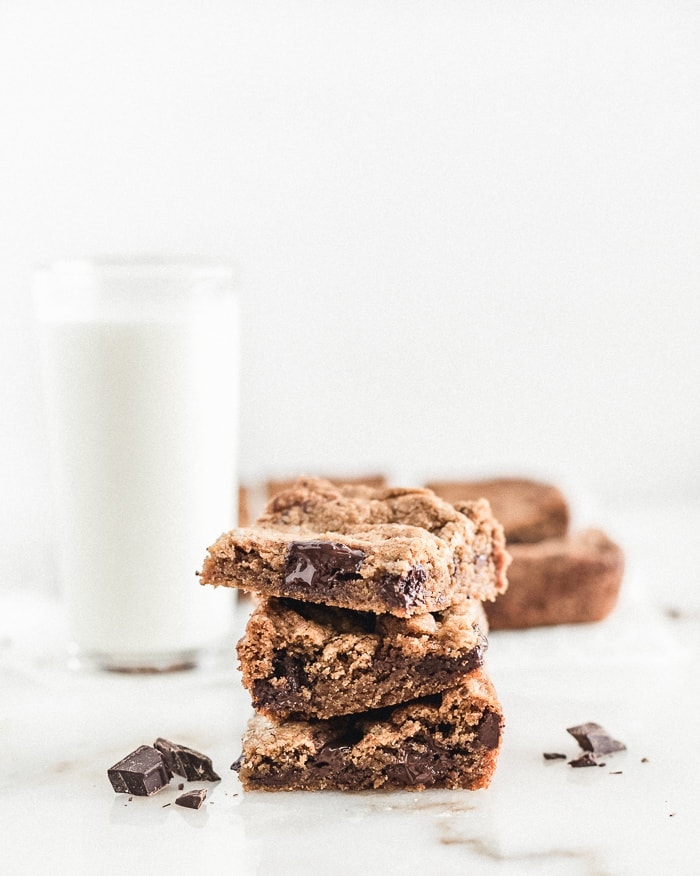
[{"x": 364, "y": 652}]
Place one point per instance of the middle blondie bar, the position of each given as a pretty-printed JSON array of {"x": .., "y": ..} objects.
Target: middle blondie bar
[{"x": 313, "y": 661}]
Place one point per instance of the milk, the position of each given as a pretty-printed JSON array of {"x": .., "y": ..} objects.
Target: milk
[{"x": 142, "y": 416}]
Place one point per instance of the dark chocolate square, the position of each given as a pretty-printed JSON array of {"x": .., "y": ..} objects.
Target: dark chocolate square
[{"x": 142, "y": 773}]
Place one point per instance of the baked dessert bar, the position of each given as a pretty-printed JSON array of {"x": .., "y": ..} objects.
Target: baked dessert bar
[
  {"x": 393, "y": 550},
  {"x": 449, "y": 740},
  {"x": 305, "y": 660},
  {"x": 575, "y": 579},
  {"x": 528, "y": 510}
]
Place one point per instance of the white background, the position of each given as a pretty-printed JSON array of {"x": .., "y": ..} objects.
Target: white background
[{"x": 467, "y": 233}]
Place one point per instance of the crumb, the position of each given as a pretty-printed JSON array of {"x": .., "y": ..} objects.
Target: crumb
[
  {"x": 553, "y": 755},
  {"x": 585, "y": 760}
]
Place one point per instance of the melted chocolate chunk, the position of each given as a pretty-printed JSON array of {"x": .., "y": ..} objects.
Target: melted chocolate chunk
[
  {"x": 420, "y": 762},
  {"x": 404, "y": 591},
  {"x": 289, "y": 669},
  {"x": 186, "y": 762},
  {"x": 343, "y": 619},
  {"x": 592, "y": 737},
  {"x": 141, "y": 773},
  {"x": 331, "y": 757},
  {"x": 192, "y": 799},
  {"x": 319, "y": 563},
  {"x": 488, "y": 730}
]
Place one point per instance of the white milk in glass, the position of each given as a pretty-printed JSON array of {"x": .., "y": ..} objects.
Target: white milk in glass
[{"x": 140, "y": 365}]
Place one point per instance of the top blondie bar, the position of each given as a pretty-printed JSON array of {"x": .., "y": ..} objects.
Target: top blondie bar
[{"x": 392, "y": 550}]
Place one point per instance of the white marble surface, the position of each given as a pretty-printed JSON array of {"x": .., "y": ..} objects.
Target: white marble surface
[{"x": 637, "y": 674}]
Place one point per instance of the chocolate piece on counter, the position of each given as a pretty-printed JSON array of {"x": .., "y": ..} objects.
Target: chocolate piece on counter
[
  {"x": 592, "y": 737},
  {"x": 553, "y": 755},
  {"x": 320, "y": 562},
  {"x": 186, "y": 762},
  {"x": 142, "y": 773},
  {"x": 587, "y": 759},
  {"x": 192, "y": 799}
]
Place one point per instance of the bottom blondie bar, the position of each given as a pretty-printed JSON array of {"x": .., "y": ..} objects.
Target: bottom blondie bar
[{"x": 448, "y": 740}]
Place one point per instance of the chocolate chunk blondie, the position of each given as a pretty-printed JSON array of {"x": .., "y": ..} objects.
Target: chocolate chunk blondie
[
  {"x": 528, "y": 510},
  {"x": 312, "y": 661},
  {"x": 392, "y": 550},
  {"x": 575, "y": 579},
  {"x": 449, "y": 740}
]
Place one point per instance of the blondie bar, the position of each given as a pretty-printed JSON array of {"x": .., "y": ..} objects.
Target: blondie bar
[
  {"x": 393, "y": 550},
  {"x": 306, "y": 660},
  {"x": 449, "y": 740},
  {"x": 575, "y": 579}
]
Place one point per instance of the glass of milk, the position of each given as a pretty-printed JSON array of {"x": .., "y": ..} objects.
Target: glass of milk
[{"x": 140, "y": 366}]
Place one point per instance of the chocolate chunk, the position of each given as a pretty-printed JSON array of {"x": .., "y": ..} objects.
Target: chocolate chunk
[
  {"x": 404, "y": 591},
  {"x": 142, "y": 773},
  {"x": 592, "y": 737},
  {"x": 290, "y": 667},
  {"x": 192, "y": 799},
  {"x": 186, "y": 762},
  {"x": 316, "y": 563},
  {"x": 587, "y": 759},
  {"x": 331, "y": 756},
  {"x": 553, "y": 755},
  {"x": 237, "y": 764},
  {"x": 488, "y": 730},
  {"x": 423, "y": 763}
]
